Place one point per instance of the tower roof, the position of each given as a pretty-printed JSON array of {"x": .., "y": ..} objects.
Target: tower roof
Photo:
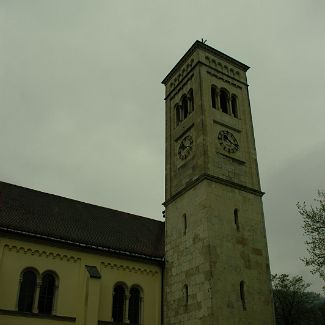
[{"x": 207, "y": 48}]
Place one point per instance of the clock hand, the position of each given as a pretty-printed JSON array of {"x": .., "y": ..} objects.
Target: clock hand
[
  {"x": 228, "y": 140},
  {"x": 232, "y": 143}
]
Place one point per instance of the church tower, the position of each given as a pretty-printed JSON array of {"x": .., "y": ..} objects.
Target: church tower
[{"x": 217, "y": 266}]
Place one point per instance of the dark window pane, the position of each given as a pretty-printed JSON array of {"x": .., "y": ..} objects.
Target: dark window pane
[
  {"x": 46, "y": 294},
  {"x": 223, "y": 101},
  {"x": 118, "y": 304},
  {"x": 134, "y": 306},
  {"x": 185, "y": 107},
  {"x": 191, "y": 100},
  {"x": 27, "y": 292},
  {"x": 234, "y": 107}
]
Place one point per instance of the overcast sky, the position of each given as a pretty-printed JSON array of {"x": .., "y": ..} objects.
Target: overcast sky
[{"x": 82, "y": 109}]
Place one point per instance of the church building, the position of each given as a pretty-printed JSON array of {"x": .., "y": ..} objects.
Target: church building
[{"x": 68, "y": 262}]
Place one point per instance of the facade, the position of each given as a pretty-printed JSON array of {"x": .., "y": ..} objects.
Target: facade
[
  {"x": 64, "y": 261},
  {"x": 216, "y": 259}
]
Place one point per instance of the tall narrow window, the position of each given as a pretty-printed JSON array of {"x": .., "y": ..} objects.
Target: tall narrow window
[
  {"x": 242, "y": 294},
  {"x": 234, "y": 107},
  {"x": 134, "y": 306},
  {"x": 46, "y": 294},
  {"x": 224, "y": 101},
  {"x": 27, "y": 291},
  {"x": 184, "y": 224},
  {"x": 213, "y": 96},
  {"x": 184, "y": 107},
  {"x": 190, "y": 101},
  {"x": 236, "y": 219},
  {"x": 118, "y": 304},
  {"x": 185, "y": 294}
]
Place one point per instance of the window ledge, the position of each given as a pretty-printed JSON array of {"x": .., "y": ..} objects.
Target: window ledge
[{"x": 36, "y": 315}]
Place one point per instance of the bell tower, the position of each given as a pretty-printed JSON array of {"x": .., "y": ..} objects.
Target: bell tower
[{"x": 217, "y": 266}]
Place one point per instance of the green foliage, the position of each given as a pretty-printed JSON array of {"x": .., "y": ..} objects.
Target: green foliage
[
  {"x": 314, "y": 230},
  {"x": 293, "y": 304}
]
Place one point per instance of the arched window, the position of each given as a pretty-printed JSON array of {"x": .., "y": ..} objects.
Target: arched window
[
  {"x": 234, "y": 107},
  {"x": 236, "y": 219},
  {"x": 118, "y": 304},
  {"x": 184, "y": 107},
  {"x": 185, "y": 294},
  {"x": 224, "y": 101},
  {"x": 190, "y": 101},
  {"x": 46, "y": 294},
  {"x": 134, "y": 306},
  {"x": 27, "y": 291},
  {"x": 214, "y": 96},
  {"x": 242, "y": 294}
]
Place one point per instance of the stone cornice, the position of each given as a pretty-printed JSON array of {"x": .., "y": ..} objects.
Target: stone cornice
[
  {"x": 41, "y": 253},
  {"x": 128, "y": 268},
  {"x": 209, "y": 49},
  {"x": 215, "y": 179}
]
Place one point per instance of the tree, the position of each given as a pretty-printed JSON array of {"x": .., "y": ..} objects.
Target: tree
[
  {"x": 320, "y": 308},
  {"x": 293, "y": 304},
  {"x": 314, "y": 230}
]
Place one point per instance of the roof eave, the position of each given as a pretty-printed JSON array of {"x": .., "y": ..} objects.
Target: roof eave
[{"x": 83, "y": 245}]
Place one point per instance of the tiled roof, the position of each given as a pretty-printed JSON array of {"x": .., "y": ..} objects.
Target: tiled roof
[{"x": 49, "y": 216}]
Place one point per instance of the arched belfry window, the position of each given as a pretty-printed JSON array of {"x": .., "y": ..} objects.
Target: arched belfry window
[
  {"x": 46, "y": 294},
  {"x": 224, "y": 101},
  {"x": 135, "y": 306},
  {"x": 27, "y": 291},
  {"x": 214, "y": 96},
  {"x": 190, "y": 101},
  {"x": 118, "y": 304},
  {"x": 185, "y": 107},
  {"x": 242, "y": 294},
  {"x": 234, "y": 106}
]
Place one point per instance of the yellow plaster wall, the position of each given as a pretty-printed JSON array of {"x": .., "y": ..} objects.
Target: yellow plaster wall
[
  {"x": 71, "y": 300},
  {"x": 15, "y": 320}
]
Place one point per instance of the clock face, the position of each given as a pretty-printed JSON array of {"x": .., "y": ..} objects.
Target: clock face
[
  {"x": 185, "y": 147},
  {"x": 228, "y": 141}
]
